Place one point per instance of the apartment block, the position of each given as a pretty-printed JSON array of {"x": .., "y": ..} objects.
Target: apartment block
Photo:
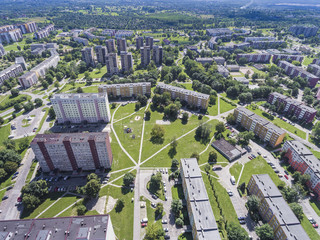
[
  {"x": 307, "y": 31},
  {"x": 294, "y": 71},
  {"x": 111, "y": 45},
  {"x": 219, "y": 60},
  {"x": 139, "y": 43},
  {"x": 81, "y": 107},
  {"x": 261, "y": 127},
  {"x": 202, "y": 220},
  {"x": 302, "y": 160},
  {"x": 293, "y": 107},
  {"x": 28, "y": 27},
  {"x": 72, "y": 151},
  {"x": 12, "y": 71},
  {"x": 45, "y": 32},
  {"x": 193, "y": 98},
  {"x": 149, "y": 42},
  {"x": 75, "y": 227},
  {"x": 316, "y": 61},
  {"x": 88, "y": 56},
  {"x": 219, "y": 31},
  {"x": 288, "y": 58},
  {"x": 145, "y": 55},
  {"x": 13, "y": 35},
  {"x": 254, "y": 39},
  {"x": 126, "y": 61},
  {"x": 274, "y": 209},
  {"x": 212, "y": 42},
  {"x": 206, "y": 60},
  {"x": 223, "y": 71},
  {"x": 112, "y": 63},
  {"x": 314, "y": 69},
  {"x": 122, "y": 45},
  {"x": 84, "y": 41},
  {"x": 157, "y": 55},
  {"x": 31, "y": 78},
  {"x": 6, "y": 28},
  {"x": 123, "y": 33},
  {"x": 101, "y": 52},
  {"x": 255, "y": 58},
  {"x": 126, "y": 89},
  {"x": 2, "y": 51},
  {"x": 267, "y": 44}
]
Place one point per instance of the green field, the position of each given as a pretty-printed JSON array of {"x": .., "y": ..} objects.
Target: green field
[
  {"x": 312, "y": 233},
  {"x": 9, "y": 99},
  {"x": 225, "y": 107},
  {"x": 96, "y": 73},
  {"x": 31, "y": 171},
  {"x": 235, "y": 170},
  {"x": 4, "y": 133},
  {"x": 124, "y": 111},
  {"x": 316, "y": 206},
  {"x": 307, "y": 61}
]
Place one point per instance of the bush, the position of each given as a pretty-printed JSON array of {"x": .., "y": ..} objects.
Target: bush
[{"x": 81, "y": 210}]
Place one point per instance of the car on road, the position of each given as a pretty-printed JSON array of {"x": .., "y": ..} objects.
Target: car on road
[
  {"x": 166, "y": 237},
  {"x": 153, "y": 205},
  {"x": 259, "y": 153},
  {"x": 13, "y": 177},
  {"x": 265, "y": 156},
  {"x": 8, "y": 188},
  {"x": 241, "y": 218},
  {"x": 165, "y": 189},
  {"x": 144, "y": 224},
  {"x": 315, "y": 225},
  {"x": 311, "y": 220},
  {"x": 166, "y": 229},
  {"x": 286, "y": 172},
  {"x": 280, "y": 175},
  {"x": 154, "y": 196},
  {"x": 230, "y": 192},
  {"x": 233, "y": 180},
  {"x": 242, "y": 222},
  {"x": 4, "y": 198},
  {"x": 164, "y": 221},
  {"x": 276, "y": 171},
  {"x": 166, "y": 170},
  {"x": 286, "y": 176}
]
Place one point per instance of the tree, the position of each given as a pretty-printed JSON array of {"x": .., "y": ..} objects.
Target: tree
[
  {"x": 92, "y": 176},
  {"x": 9, "y": 155},
  {"x": 37, "y": 188},
  {"x": 179, "y": 222},
  {"x": 171, "y": 111},
  {"x": 207, "y": 168},
  {"x": 154, "y": 231},
  {"x": 45, "y": 84},
  {"x": 203, "y": 131},
  {"x": 10, "y": 167},
  {"x": 52, "y": 114},
  {"x": 3, "y": 173},
  {"x": 185, "y": 117},
  {"x": 14, "y": 92},
  {"x": 174, "y": 143},
  {"x": 242, "y": 61},
  {"x": 182, "y": 77},
  {"x": 159, "y": 209},
  {"x": 253, "y": 203},
  {"x": 23, "y": 144},
  {"x": 157, "y": 134},
  {"x": 1, "y": 120},
  {"x": 38, "y": 102},
  {"x": 265, "y": 232},
  {"x": 148, "y": 115},
  {"x": 81, "y": 210},
  {"x": 291, "y": 194},
  {"x": 59, "y": 76},
  {"x": 213, "y": 156},
  {"x": 175, "y": 163},
  {"x": 297, "y": 210},
  {"x": 56, "y": 85},
  {"x": 99, "y": 66},
  {"x": 296, "y": 176},
  {"x": 92, "y": 188},
  {"x": 137, "y": 106},
  {"x": 79, "y": 90},
  {"x": 195, "y": 155},
  {"x": 17, "y": 107},
  {"x": 9, "y": 144},
  {"x": 128, "y": 178},
  {"x": 245, "y": 137},
  {"x": 119, "y": 205},
  {"x": 28, "y": 106},
  {"x": 30, "y": 201},
  {"x": 236, "y": 232},
  {"x": 156, "y": 180},
  {"x": 316, "y": 131},
  {"x": 176, "y": 206},
  {"x": 212, "y": 100},
  {"x": 220, "y": 128}
]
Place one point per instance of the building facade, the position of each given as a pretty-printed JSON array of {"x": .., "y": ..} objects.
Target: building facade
[
  {"x": 122, "y": 45},
  {"x": 307, "y": 31},
  {"x": 255, "y": 58},
  {"x": 206, "y": 60},
  {"x": 72, "y": 151},
  {"x": 2, "y": 51},
  {"x": 149, "y": 42},
  {"x": 81, "y": 107},
  {"x": 12, "y": 71},
  {"x": 111, "y": 45},
  {"x": 157, "y": 54},
  {"x": 219, "y": 31},
  {"x": 145, "y": 55},
  {"x": 13, "y": 35},
  {"x": 126, "y": 61},
  {"x": 274, "y": 209},
  {"x": 202, "y": 221},
  {"x": 139, "y": 43},
  {"x": 84, "y": 41},
  {"x": 45, "y": 32},
  {"x": 261, "y": 127},
  {"x": 293, "y": 107},
  {"x": 302, "y": 160},
  {"x": 126, "y": 89},
  {"x": 88, "y": 56},
  {"x": 288, "y": 58},
  {"x": 193, "y": 98},
  {"x": 112, "y": 63},
  {"x": 101, "y": 52},
  {"x": 28, "y": 27}
]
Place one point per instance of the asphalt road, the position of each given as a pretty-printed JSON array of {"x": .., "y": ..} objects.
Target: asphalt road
[{"x": 9, "y": 210}]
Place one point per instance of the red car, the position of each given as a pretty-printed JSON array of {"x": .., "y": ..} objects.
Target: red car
[
  {"x": 286, "y": 176},
  {"x": 19, "y": 199},
  {"x": 315, "y": 225},
  {"x": 144, "y": 224}
]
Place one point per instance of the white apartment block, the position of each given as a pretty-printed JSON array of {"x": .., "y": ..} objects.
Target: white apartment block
[
  {"x": 13, "y": 35},
  {"x": 44, "y": 32},
  {"x": 12, "y": 71},
  {"x": 81, "y": 107},
  {"x": 72, "y": 151}
]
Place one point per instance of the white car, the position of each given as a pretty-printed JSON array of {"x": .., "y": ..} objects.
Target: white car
[
  {"x": 265, "y": 156},
  {"x": 229, "y": 192},
  {"x": 164, "y": 221},
  {"x": 165, "y": 189}
]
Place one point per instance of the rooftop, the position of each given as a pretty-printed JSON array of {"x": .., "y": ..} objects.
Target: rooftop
[
  {"x": 266, "y": 185},
  {"x": 295, "y": 232},
  {"x": 230, "y": 151},
  {"x": 190, "y": 168},
  {"x": 125, "y": 84},
  {"x": 178, "y": 89},
  {"x": 80, "y": 96}
]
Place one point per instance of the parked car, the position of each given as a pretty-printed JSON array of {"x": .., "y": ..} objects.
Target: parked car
[
  {"x": 153, "y": 205},
  {"x": 164, "y": 221},
  {"x": 166, "y": 237},
  {"x": 286, "y": 172},
  {"x": 276, "y": 171},
  {"x": 265, "y": 156},
  {"x": 280, "y": 175},
  {"x": 230, "y": 192},
  {"x": 144, "y": 224},
  {"x": 8, "y": 188},
  {"x": 259, "y": 153},
  {"x": 311, "y": 220},
  {"x": 315, "y": 225},
  {"x": 286, "y": 176},
  {"x": 166, "y": 229},
  {"x": 154, "y": 196},
  {"x": 144, "y": 220},
  {"x": 241, "y": 218},
  {"x": 4, "y": 198},
  {"x": 142, "y": 205},
  {"x": 242, "y": 222}
]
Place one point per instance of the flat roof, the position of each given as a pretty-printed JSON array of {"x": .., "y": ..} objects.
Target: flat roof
[
  {"x": 266, "y": 185},
  {"x": 295, "y": 232},
  {"x": 125, "y": 84},
  {"x": 178, "y": 89},
  {"x": 39, "y": 229},
  {"x": 58, "y": 138},
  {"x": 227, "y": 149},
  {"x": 190, "y": 167},
  {"x": 80, "y": 96}
]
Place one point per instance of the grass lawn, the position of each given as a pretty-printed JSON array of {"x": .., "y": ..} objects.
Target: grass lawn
[
  {"x": 4, "y": 133},
  {"x": 315, "y": 153},
  {"x": 316, "y": 206},
  {"x": 91, "y": 89},
  {"x": 122, "y": 220},
  {"x": 280, "y": 123},
  {"x": 132, "y": 145},
  {"x": 151, "y": 214},
  {"x": 59, "y": 206},
  {"x": 224, "y": 106},
  {"x": 52, "y": 197},
  {"x": 43, "y": 119},
  {"x": 31, "y": 170},
  {"x": 235, "y": 170},
  {"x": 213, "y": 110},
  {"x": 9, "y": 99},
  {"x": 177, "y": 192},
  {"x": 225, "y": 96},
  {"x": 312, "y": 233},
  {"x": 95, "y": 73},
  {"x": 187, "y": 85},
  {"x": 307, "y": 61},
  {"x": 258, "y": 166},
  {"x": 124, "y": 111}
]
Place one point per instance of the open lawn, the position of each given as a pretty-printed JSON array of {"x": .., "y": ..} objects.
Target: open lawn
[
  {"x": 258, "y": 166},
  {"x": 307, "y": 61},
  {"x": 316, "y": 206},
  {"x": 235, "y": 170},
  {"x": 124, "y": 111},
  {"x": 316, "y": 154},
  {"x": 225, "y": 96},
  {"x": 121, "y": 218},
  {"x": 213, "y": 110},
  {"x": 278, "y": 122},
  {"x": 177, "y": 192},
  {"x": 31, "y": 171},
  {"x": 312, "y": 233},
  {"x": 96, "y": 73},
  {"x": 4, "y": 133},
  {"x": 224, "y": 106},
  {"x": 10, "y": 99}
]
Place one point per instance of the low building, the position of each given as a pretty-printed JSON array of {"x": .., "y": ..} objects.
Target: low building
[
  {"x": 193, "y": 98},
  {"x": 84, "y": 41},
  {"x": 13, "y": 71},
  {"x": 45, "y": 32},
  {"x": 202, "y": 221},
  {"x": 292, "y": 107},
  {"x": 72, "y": 151},
  {"x": 204, "y": 61},
  {"x": 302, "y": 160},
  {"x": 81, "y": 107},
  {"x": 219, "y": 60},
  {"x": 261, "y": 127},
  {"x": 229, "y": 151},
  {"x": 233, "y": 68},
  {"x": 219, "y": 31},
  {"x": 251, "y": 39},
  {"x": 267, "y": 44},
  {"x": 255, "y": 58},
  {"x": 223, "y": 71},
  {"x": 287, "y": 57},
  {"x": 260, "y": 67},
  {"x": 126, "y": 89},
  {"x": 274, "y": 209},
  {"x": 316, "y": 61},
  {"x": 81, "y": 227},
  {"x": 242, "y": 80},
  {"x": 314, "y": 69}
]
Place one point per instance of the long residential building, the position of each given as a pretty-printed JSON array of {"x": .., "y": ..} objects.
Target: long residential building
[
  {"x": 314, "y": 69},
  {"x": 12, "y": 71},
  {"x": 256, "y": 58},
  {"x": 202, "y": 221},
  {"x": 81, "y": 107},
  {"x": 274, "y": 209},
  {"x": 13, "y": 35},
  {"x": 28, "y": 27},
  {"x": 2, "y": 51},
  {"x": 88, "y": 56},
  {"x": 267, "y": 44},
  {"x": 293, "y": 107},
  {"x": 71, "y": 228},
  {"x": 287, "y": 58},
  {"x": 101, "y": 52},
  {"x": 261, "y": 127},
  {"x": 126, "y": 89},
  {"x": 294, "y": 71},
  {"x": 302, "y": 160},
  {"x": 307, "y": 31},
  {"x": 31, "y": 78},
  {"x": 45, "y": 32},
  {"x": 219, "y": 31},
  {"x": 193, "y": 98},
  {"x": 254, "y": 39},
  {"x": 72, "y": 151},
  {"x": 84, "y": 41}
]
